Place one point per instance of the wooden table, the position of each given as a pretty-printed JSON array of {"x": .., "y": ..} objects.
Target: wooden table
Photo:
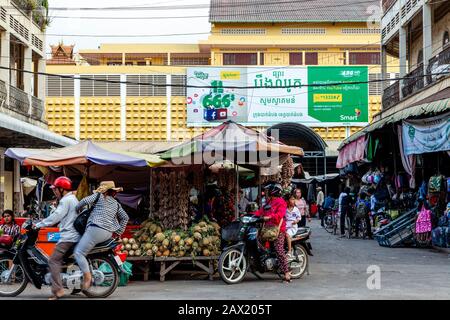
[
  {"x": 197, "y": 261},
  {"x": 167, "y": 264},
  {"x": 144, "y": 267}
]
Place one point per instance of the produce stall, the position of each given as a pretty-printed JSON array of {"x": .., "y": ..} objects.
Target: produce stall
[{"x": 205, "y": 190}]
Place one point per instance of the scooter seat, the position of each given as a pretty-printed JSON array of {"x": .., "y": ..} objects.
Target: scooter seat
[
  {"x": 302, "y": 231},
  {"x": 104, "y": 244}
]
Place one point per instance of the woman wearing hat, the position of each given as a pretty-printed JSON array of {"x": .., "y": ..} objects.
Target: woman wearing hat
[{"x": 107, "y": 218}]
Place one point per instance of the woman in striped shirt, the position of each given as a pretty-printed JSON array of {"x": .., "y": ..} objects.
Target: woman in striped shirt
[
  {"x": 106, "y": 220},
  {"x": 10, "y": 227}
]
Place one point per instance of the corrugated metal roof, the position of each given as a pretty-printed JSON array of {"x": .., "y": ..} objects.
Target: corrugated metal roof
[
  {"x": 434, "y": 107},
  {"x": 293, "y": 11}
]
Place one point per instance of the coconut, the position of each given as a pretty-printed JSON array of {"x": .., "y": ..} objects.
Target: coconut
[
  {"x": 153, "y": 228},
  {"x": 177, "y": 238},
  {"x": 149, "y": 253},
  {"x": 132, "y": 241},
  {"x": 206, "y": 241},
  {"x": 160, "y": 236},
  {"x": 197, "y": 228},
  {"x": 148, "y": 246},
  {"x": 155, "y": 248},
  {"x": 195, "y": 245},
  {"x": 128, "y": 246},
  {"x": 134, "y": 247},
  {"x": 175, "y": 249},
  {"x": 206, "y": 253},
  {"x": 189, "y": 241},
  {"x": 181, "y": 253},
  {"x": 165, "y": 243},
  {"x": 158, "y": 254},
  {"x": 166, "y": 253},
  {"x": 125, "y": 240},
  {"x": 197, "y": 236},
  {"x": 158, "y": 229},
  {"x": 202, "y": 224},
  {"x": 131, "y": 253},
  {"x": 204, "y": 229},
  {"x": 138, "y": 252}
]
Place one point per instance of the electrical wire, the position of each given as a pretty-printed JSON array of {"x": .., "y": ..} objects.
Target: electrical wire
[{"x": 225, "y": 87}]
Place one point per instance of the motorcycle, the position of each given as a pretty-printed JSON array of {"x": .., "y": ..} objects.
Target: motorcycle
[
  {"x": 243, "y": 256},
  {"x": 24, "y": 262}
]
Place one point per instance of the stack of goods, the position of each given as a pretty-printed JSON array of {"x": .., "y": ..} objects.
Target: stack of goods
[
  {"x": 287, "y": 172},
  {"x": 170, "y": 199},
  {"x": 202, "y": 239}
]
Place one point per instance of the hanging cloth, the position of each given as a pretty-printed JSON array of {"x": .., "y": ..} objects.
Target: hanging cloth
[{"x": 409, "y": 162}]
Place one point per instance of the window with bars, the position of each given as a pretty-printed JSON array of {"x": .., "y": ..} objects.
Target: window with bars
[
  {"x": 295, "y": 58},
  {"x": 240, "y": 59},
  {"x": 297, "y": 31},
  {"x": 181, "y": 81},
  {"x": 189, "y": 61},
  {"x": 99, "y": 87},
  {"x": 59, "y": 87},
  {"x": 311, "y": 58},
  {"x": 365, "y": 58},
  {"x": 361, "y": 31},
  {"x": 243, "y": 31},
  {"x": 140, "y": 85}
]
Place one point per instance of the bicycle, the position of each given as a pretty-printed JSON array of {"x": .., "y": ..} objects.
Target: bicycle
[{"x": 331, "y": 221}]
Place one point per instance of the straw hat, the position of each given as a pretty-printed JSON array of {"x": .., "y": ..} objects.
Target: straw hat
[{"x": 107, "y": 185}]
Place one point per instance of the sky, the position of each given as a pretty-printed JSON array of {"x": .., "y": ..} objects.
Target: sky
[{"x": 67, "y": 25}]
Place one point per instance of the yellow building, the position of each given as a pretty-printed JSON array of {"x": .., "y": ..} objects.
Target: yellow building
[{"x": 241, "y": 35}]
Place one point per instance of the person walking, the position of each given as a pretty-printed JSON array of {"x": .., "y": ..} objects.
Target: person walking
[
  {"x": 345, "y": 209},
  {"x": 107, "y": 219},
  {"x": 64, "y": 215},
  {"x": 302, "y": 206},
  {"x": 320, "y": 201}
]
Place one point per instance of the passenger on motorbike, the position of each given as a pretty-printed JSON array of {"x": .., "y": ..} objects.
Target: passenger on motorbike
[
  {"x": 293, "y": 217},
  {"x": 64, "y": 215},
  {"x": 106, "y": 220},
  {"x": 273, "y": 216}
]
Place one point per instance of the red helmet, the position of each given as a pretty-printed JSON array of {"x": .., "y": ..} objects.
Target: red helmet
[{"x": 63, "y": 183}]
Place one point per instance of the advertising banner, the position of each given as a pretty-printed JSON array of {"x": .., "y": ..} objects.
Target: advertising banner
[
  {"x": 426, "y": 135},
  {"x": 263, "y": 96}
]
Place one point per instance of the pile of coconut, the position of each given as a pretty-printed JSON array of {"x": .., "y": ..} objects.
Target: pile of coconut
[{"x": 202, "y": 239}]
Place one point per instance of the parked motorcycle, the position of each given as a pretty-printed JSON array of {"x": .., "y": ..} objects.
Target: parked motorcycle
[
  {"x": 24, "y": 262},
  {"x": 247, "y": 253}
]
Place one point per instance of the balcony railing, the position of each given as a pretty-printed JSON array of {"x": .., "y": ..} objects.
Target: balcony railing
[
  {"x": 391, "y": 95},
  {"x": 3, "y": 93},
  {"x": 37, "y": 110},
  {"x": 439, "y": 66},
  {"x": 18, "y": 100},
  {"x": 414, "y": 81}
]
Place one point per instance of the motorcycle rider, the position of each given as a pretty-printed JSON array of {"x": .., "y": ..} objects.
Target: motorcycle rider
[
  {"x": 276, "y": 210},
  {"x": 64, "y": 215}
]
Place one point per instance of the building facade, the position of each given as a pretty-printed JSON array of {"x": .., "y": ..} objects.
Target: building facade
[
  {"x": 22, "y": 90},
  {"x": 341, "y": 35},
  {"x": 416, "y": 33}
]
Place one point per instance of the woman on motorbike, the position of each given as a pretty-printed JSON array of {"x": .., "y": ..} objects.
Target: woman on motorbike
[
  {"x": 107, "y": 218},
  {"x": 273, "y": 216}
]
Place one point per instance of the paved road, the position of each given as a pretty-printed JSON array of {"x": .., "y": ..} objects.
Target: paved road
[{"x": 338, "y": 271}]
